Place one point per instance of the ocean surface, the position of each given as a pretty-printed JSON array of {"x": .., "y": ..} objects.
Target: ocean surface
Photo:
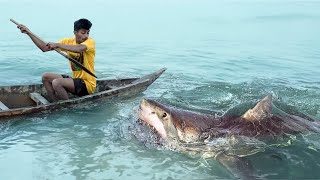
[{"x": 218, "y": 54}]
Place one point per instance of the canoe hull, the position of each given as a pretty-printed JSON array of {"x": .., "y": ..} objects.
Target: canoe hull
[{"x": 19, "y": 102}]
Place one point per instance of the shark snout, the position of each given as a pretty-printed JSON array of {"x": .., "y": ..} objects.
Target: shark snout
[
  {"x": 143, "y": 104},
  {"x": 143, "y": 110}
]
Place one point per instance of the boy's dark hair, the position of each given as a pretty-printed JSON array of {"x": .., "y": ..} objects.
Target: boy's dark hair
[{"x": 82, "y": 24}]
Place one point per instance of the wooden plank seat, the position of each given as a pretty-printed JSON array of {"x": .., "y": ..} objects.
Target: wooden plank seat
[
  {"x": 40, "y": 100},
  {"x": 3, "y": 107}
]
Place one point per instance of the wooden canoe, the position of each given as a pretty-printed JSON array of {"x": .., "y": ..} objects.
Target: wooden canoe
[{"x": 26, "y": 99}]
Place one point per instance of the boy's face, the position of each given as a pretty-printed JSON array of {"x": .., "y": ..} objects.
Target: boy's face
[{"x": 81, "y": 35}]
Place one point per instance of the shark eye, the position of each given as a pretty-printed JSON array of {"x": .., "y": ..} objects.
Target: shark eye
[{"x": 164, "y": 115}]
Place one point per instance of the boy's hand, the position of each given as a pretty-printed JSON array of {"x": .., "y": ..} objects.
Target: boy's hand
[
  {"x": 52, "y": 45},
  {"x": 23, "y": 29}
]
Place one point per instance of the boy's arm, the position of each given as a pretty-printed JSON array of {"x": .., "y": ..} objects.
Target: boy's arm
[
  {"x": 50, "y": 46},
  {"x": 39, "y": 43},
  {"x": 73, "y": 48}
]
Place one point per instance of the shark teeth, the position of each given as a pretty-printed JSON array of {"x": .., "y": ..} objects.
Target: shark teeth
[
  {"x": 140, "y": 121},
  {"x": 151, "y": 128}
]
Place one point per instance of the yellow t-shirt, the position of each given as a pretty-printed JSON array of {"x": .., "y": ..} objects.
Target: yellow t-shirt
[{"x": 86, "y": 59}]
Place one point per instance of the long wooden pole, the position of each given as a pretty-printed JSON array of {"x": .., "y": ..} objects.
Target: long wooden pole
[{"x": 58, "y": 51}]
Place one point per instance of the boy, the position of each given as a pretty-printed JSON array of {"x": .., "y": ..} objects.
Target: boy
[{"x": 81, "y": 48}]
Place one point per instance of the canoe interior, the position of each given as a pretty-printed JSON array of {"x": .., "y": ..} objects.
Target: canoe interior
[{"x": 19, "y": 96}]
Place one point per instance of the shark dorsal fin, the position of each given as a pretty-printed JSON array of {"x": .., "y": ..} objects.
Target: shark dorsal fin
[{"x": 261, "y": 111}]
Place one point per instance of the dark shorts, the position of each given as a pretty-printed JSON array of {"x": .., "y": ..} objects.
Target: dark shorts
[{"x": 79, "y": 86}]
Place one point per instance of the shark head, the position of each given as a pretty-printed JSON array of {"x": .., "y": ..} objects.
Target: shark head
[
  {"x": 159, "y": 117},
  {"x": 174, "y": 124}
]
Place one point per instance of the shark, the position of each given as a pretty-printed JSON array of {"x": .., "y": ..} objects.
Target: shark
[{"x": 194, "y": 132}]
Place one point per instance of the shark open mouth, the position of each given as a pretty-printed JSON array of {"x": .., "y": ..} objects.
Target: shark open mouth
[
  {"x": 149, "y": 117},
  {"x": 144, "y": 123}
]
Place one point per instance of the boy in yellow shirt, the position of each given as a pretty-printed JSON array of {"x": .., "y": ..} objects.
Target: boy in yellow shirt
[{"x": 81, "y": 48}]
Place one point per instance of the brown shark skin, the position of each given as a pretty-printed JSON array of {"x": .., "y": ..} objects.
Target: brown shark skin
[
  {"x": 271, "y": 127},
  {"x": 261, "y": 124}
]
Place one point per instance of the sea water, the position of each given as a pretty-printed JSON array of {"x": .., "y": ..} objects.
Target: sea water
[{"x": 218, "y": 54}]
